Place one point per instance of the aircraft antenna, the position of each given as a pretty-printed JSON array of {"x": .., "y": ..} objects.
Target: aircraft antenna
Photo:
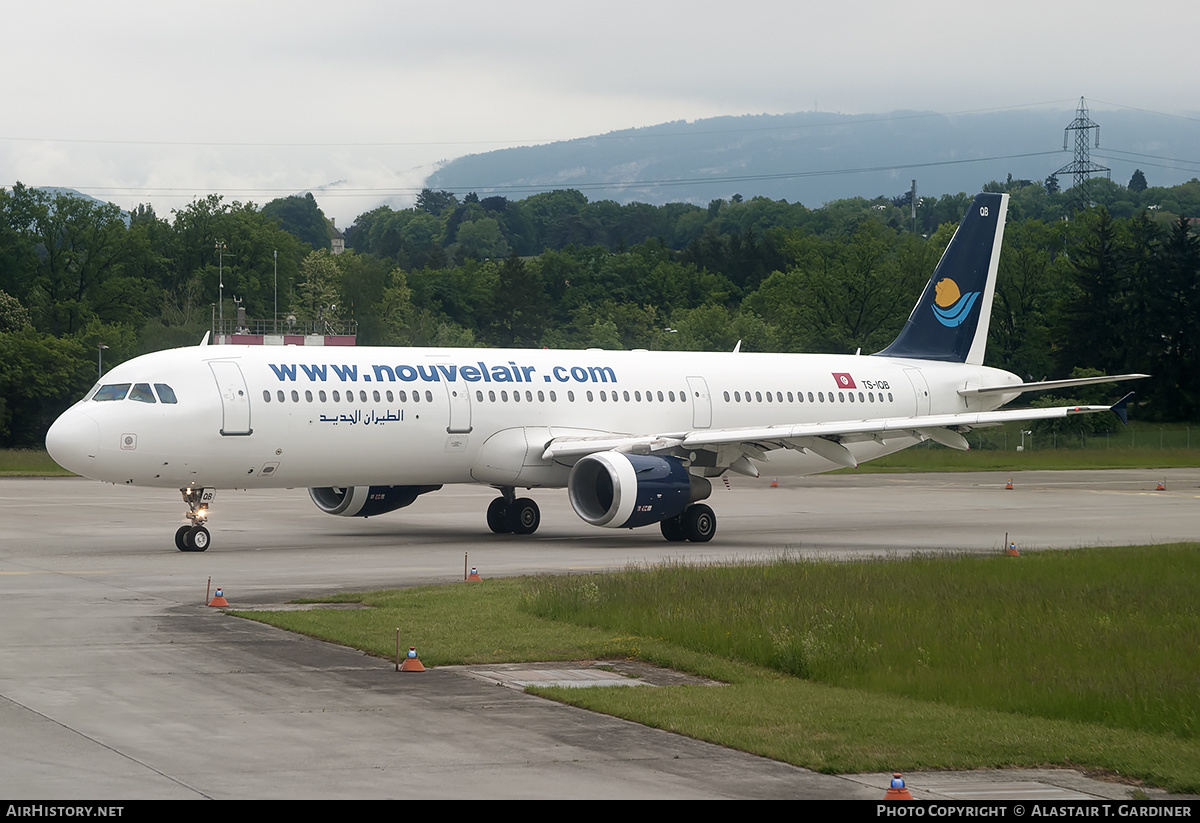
[{"x": 1082, "y": 166}]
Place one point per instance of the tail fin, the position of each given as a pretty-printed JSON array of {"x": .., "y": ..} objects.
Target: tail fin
[{"x": 950, "y": 321}]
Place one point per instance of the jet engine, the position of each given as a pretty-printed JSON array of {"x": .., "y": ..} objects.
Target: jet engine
[
  {"x": 621, "y": 490},
  {"x": 365, "y": 501}
]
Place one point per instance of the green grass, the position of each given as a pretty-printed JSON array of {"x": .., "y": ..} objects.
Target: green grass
[
  {"x": 1082, "y": 658},
  {"x": 29, "y": 463},
  {"x": 940, "y": 459}
]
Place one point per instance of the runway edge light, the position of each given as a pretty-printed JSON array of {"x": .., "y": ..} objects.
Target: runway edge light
[
  {"x": 411, "y": 663},
  {"x": 897, "y": 791}
]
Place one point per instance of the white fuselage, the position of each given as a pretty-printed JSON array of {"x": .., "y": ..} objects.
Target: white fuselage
[{"x": 274, "y": 416}]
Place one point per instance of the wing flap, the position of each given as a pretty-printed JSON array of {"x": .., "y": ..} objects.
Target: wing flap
[{"x": 816, "y": 437}]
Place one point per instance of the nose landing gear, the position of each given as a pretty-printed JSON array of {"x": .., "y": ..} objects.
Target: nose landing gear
[{"x": 195, "y": 537}]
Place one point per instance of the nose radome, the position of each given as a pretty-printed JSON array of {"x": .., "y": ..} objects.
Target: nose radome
[{"x": 73, "y": 440}]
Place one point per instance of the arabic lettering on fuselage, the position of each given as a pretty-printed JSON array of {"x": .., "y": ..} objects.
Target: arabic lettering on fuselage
[
  {"x": 479, "y": 372},
  {"x": 371, "y": 418}
]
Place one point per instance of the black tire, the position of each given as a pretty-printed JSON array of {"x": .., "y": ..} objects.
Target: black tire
[
  {"x": 181, "y": 538},
  {"x": 524, "y": 516},
  {"x": 497, "y": 516},
  {"x": 672, "y": 529},
  {"x": 198, "y": 538},
  {"x": 699, "y": 523}
]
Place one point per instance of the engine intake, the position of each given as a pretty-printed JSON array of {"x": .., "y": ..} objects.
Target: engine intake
[
  {"x": 365, "y": 501},
  {"x": 621, "y": 490}
]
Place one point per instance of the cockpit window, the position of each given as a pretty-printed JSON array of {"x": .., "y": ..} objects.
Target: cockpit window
[
  {"x": 113, "y": 391},
  {"x": 141, "y": 393},
  {"x": 165, "y": 393}
]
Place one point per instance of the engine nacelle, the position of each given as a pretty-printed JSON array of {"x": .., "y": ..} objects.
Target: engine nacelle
[
  {"x": 365, "y": 501},
  {"x": 621, "y": 490}
]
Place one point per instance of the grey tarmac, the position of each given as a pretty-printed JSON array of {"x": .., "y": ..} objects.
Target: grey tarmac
[{"x": 117, "y": 682}]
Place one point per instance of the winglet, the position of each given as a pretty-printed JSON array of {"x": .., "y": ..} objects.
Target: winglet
[{"x": 1120, "y": 410}]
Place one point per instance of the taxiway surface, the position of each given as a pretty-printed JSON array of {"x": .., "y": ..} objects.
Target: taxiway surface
[{"x": 116, "y": 682}]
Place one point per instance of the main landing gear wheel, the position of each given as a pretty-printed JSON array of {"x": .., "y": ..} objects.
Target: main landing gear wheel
[
  {"x": 516, "y": 516},
  {"x": 697, "y": 524},
  {"x": 524, "y": 516},
  {"x": 672, "y": 529},
  {"x": 497, "y": 516}
]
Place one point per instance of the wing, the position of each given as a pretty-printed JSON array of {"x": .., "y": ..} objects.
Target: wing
[{"x": 825, "y": 439}]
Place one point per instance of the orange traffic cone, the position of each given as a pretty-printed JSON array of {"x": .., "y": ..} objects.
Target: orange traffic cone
[
  {"x": 1008, "y": 485},
  {"x": 775, "y": 483},
  {"x": 1161, "y": 487},
  {"x": 897, "y": 791},
  {"x": 411, "y": 663},
  {"x": 219, "y": 599},
  {"x": 1012, "y": 550},
  {"x": 474, "y": 575}
]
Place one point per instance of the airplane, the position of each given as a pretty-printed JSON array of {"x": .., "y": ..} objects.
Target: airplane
[{"x": 633, "y": 436}]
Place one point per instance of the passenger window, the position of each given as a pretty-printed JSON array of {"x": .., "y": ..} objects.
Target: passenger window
[
  {"x": 295, "y": 396},
  {"x": 403, "y": 396},
  {"x": 279, "y": 394},
  {"x": 307, "y": 396},
  {"x": 165, "y": 393},
  {"x": 375, "y": 395},
  {"x": 362, "y": 395},
  {"x": 321, "y": 395},
  {"x": 478, "y": 396},
  {"x": 429, "y": 397},
  {"x": 113, "y": 391},
  {"x": 266, "y": 396},
  {"x": 337, "y": 396}
]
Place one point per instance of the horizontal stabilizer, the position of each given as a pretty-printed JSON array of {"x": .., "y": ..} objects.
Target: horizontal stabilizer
[{"x": 1020, "y": 388}]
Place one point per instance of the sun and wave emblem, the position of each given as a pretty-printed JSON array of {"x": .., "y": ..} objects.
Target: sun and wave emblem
[{"x": 950, "y": 306}]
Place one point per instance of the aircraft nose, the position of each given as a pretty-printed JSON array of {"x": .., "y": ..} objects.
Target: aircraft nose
[{"x": 73, "y": 441}]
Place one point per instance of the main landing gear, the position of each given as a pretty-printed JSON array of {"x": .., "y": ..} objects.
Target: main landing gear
[
  {"x": 697, "y": 523},
  {"x": 513, "y": 515},
  {"x": 195, "y": 538}
]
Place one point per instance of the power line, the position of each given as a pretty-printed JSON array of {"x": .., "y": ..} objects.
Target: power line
[
  {"x": 623, "y": 134},
  {"x": 581, "y": 186}
]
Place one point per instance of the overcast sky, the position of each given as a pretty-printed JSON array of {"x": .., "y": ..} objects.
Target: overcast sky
[{"x": 164, "y": 101}]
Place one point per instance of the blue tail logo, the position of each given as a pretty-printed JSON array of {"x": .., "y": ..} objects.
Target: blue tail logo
[
  {"x": 951, "y": 307},
  {"x": 950, "y": 320}
]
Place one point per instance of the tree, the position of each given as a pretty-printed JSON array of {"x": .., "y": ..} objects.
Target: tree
[
  {"x": 300, "y": 217},
  {"x": 1137, "y": 183},
  {"x": 436, "y": 202}
]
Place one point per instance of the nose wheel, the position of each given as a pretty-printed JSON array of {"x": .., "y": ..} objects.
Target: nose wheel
[{"x": 195, "y": 537}]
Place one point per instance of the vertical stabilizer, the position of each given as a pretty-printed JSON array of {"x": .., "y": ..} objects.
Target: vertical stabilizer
[{"x": 950, "y": 321}]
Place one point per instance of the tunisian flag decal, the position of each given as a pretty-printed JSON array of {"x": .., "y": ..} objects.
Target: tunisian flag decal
[{"x": 844, "y": 380}]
